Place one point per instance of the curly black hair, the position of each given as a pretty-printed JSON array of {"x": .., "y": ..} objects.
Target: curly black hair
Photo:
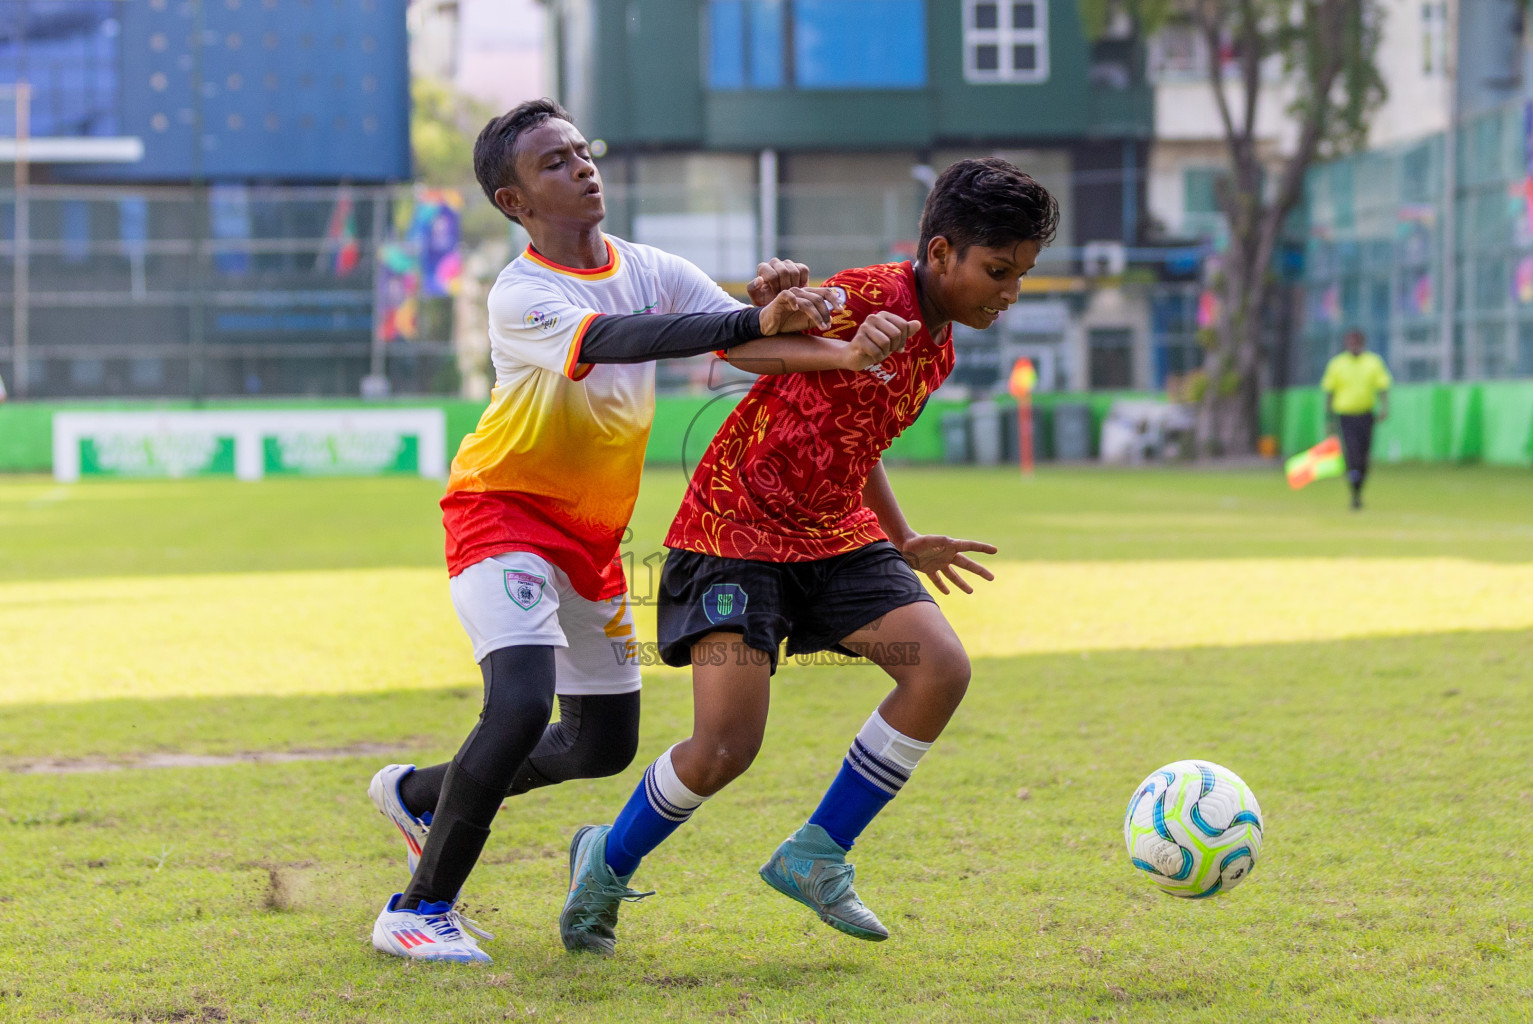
[
  {"x": 495, "y": 148},
  {"x": 987, "y": 202}
]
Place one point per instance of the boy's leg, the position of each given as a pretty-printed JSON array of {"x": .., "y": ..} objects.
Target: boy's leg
[
  {"x": 518, "y": 700},
  {"x": 597, "y": 732},
  {"x": 725, "y": 618},
  {"x": 730, "y": 688},
  {"x": 421, "y": 922},
  {"x": 931, "y": 674},
  {"x": 511, "y": 613},
  {"x": 906, "y": 635},
  {"x": 596, "y": 736}
]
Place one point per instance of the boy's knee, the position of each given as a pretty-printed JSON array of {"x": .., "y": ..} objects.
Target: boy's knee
[
  {"x": 725, "y": 760},
  {"x": 948, "y": 672},
  {"x": 609, "y": 749}
]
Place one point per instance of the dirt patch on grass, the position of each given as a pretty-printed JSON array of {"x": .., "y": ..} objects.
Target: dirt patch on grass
[{"x": 78, "y": 765}]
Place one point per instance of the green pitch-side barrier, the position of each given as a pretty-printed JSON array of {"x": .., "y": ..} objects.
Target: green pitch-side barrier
[
  {"x": 683, "y": 425},
  {"x": 1488, "y": 422}
]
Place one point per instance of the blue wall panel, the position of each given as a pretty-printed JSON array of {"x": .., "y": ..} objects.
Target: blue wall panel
[{"x": 290, "y": 90}]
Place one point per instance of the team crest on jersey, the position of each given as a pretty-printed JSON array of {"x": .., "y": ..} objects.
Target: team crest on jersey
[
  {"x": 525, "y": 589},
  {"x": 723, "y": 601},
  {"x": 539, "y": 320}
]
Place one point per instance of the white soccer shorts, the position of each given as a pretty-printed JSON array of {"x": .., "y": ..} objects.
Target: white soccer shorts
[{"x": 521, "y": 599}]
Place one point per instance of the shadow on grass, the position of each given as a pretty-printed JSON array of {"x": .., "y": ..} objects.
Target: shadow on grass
[{"x": 1245, "y": 678}]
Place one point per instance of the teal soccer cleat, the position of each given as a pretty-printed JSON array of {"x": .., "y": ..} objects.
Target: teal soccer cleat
[
  {"x": 589, "y": 917},
  {"x": 810, "y": 867}
]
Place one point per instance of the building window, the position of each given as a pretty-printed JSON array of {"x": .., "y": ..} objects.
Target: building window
[
  {"x": 854, "y": 44},
  {"x": 1178, "y": 53},
  {"x": 1005, "y": 42},
  {"x": 1111, "y": 354},
  {"x": 746, "y": 44},
  {"x": 835, "y": 44},
  {"x": 1434, "y": 37},
  {"x": 1200, "y": 189},
  {"x": 69, "y": 52}
]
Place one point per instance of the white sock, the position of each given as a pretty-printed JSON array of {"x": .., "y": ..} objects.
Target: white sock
[
  {"x": 884, "y": 756},
  {"x": 669, "y": 797}
]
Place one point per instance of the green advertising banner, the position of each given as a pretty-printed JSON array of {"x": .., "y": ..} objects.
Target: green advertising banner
[
  {"x": 338, "y": 454},
  {"x": 151, "y": 455},
  {"x": 250, "y": 444}
]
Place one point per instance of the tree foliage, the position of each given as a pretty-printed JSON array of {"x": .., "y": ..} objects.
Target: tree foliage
[
  {"x": 443, "y": 126},
  {"x": 1325, "y": 51}
]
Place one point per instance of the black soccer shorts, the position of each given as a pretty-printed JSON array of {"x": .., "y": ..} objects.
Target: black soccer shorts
[{"x": 812, "y": 605}]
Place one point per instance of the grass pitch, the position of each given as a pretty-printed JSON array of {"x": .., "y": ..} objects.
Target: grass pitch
[{"x": 197, "y": 680}]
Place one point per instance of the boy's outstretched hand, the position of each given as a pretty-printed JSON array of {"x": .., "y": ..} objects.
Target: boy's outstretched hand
[
  {"x": 796, "y": 310},
  {"x": 939, "y": 556},
  {"x": 775, "y": 276}
]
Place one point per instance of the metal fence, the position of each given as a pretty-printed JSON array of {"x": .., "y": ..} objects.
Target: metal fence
[
  {"x": 1375, "y": 255},
  {"x": 200, "y": 291},
  {"x": 226, "y": 291}
]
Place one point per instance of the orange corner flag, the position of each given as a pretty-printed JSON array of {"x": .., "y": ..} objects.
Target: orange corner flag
[
  {"x": 1024, "y": 377},
  {"x": 1323, "y": 460}
]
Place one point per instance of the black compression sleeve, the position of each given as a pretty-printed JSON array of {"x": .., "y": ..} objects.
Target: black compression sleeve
[{"x": 640, "y": 338}]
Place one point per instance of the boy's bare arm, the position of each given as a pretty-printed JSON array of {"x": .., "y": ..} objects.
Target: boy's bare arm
[
  {"x": 938, "y": 556},
  {"x": 880, "y": 335}
]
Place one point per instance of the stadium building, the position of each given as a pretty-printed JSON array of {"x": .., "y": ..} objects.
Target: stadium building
[
  {"x": 1448, "y": 183},
  {"x": 811, "y": 130},
  {"x": 199, "y": 189}
]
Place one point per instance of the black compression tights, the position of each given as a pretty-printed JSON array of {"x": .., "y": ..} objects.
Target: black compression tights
[{"x": 513, "y": 748}]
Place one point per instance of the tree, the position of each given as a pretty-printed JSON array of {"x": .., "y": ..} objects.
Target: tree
[
  {"x": 443, "y": 126},
  {"x": 1326, "y": 50}
]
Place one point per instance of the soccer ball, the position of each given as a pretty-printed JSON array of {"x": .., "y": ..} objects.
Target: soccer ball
[{"x": 1194, "y": 828}]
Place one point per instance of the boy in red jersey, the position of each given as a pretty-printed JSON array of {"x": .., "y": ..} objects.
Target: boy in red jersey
[
  {"x": 541, "y": 492},
  {"x": 790, "y": 531}
]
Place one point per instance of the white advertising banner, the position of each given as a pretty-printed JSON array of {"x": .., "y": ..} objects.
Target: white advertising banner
[{"x": 250, "y": 445}]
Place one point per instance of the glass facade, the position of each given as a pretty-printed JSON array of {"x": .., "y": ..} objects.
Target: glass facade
[
  {"x": 67, "y": 50},
  {"x": 816, "y": 44},
  {"x": 1374, "y": 258},
  {"x": 276, "y": 298}
]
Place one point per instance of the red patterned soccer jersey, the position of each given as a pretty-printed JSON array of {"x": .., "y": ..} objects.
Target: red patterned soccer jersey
[{"x": 782, "y": 481}]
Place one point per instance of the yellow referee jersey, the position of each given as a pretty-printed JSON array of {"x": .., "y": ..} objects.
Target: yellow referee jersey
[{"x": 1354, "y": 382}]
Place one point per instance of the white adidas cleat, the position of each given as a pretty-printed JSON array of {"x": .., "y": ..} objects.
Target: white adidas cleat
[
  {"x": 384, "y": 793},
  {"x": 433, "y": 931}
]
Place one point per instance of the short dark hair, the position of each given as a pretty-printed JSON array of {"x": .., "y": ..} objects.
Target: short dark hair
[
  {"x": 496, "y": 145},
  {"x": 987, "y": 202}
]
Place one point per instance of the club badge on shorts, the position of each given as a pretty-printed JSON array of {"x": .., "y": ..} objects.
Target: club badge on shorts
[
  {"x": 525, "y": 589},
  {"x": 723, "y": 601}
]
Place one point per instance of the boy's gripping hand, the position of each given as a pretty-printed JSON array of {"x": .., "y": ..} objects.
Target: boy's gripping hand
[
  {"x": 878, "y": 337},
  {"x": 775, "y": 276},
  {"x": 797, "y": 309}
]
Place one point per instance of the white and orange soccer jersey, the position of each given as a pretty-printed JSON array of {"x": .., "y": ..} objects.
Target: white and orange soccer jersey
[{"x": 553, "y": 467}]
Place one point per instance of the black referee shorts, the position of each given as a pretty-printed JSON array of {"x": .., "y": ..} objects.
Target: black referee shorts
[{"x": 812, "y": 605}]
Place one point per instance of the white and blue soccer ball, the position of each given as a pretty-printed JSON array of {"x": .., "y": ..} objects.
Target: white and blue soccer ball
[{"x": 1194, "y": 828}]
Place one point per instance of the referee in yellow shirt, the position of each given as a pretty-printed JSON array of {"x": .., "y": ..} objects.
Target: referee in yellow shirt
[{"x": 1356, "y": 383}]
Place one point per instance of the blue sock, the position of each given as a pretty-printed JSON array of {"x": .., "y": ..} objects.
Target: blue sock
[
  {"x": 877, "y": 766},
  {"x": 659, "y": 805},
  {"x": 849, "y": 806}
]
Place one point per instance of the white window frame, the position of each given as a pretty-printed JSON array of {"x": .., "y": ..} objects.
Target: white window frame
[
  {"x": 1434, "y": 37},
  {"x": 1004, "y": 37},
  {"x": 1178, "y": 53}
]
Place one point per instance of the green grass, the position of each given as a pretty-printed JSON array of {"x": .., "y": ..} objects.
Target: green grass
[
  {"x": 48, "y": 531},
  {"x": 1395, "y": 881}
]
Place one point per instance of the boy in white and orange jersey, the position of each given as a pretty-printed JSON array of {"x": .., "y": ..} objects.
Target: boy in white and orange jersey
[{"x": 542, "y": 491}]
